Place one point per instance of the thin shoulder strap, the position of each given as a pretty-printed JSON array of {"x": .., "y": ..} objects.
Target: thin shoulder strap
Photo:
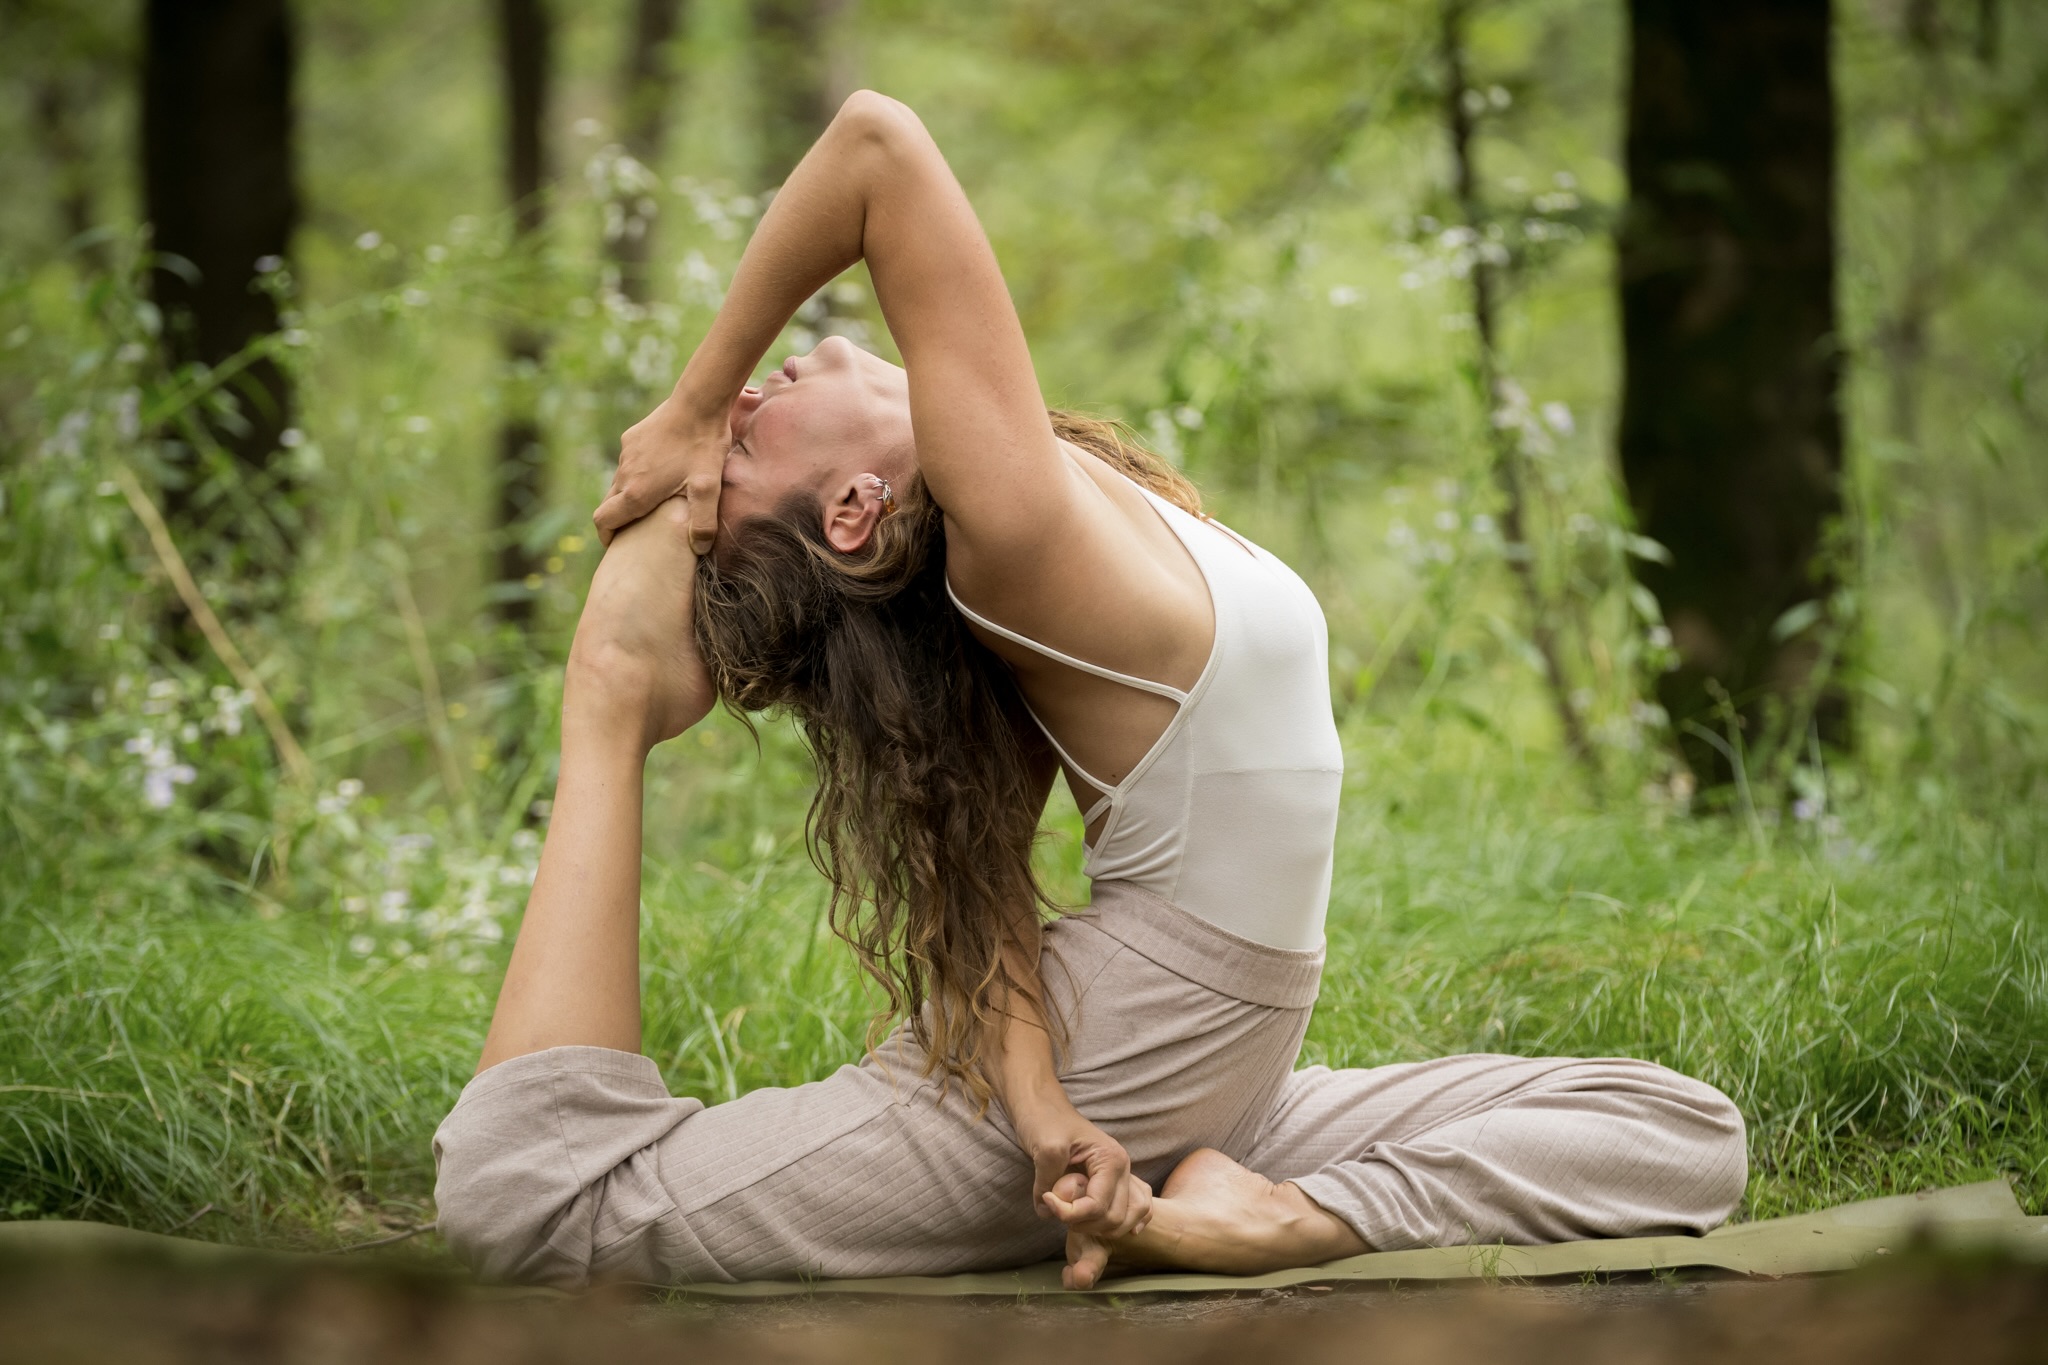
[{"x": 1142, "y": 684}]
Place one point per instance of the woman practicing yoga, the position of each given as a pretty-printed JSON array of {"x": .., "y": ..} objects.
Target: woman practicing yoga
[{"x": 960, "y": 596}]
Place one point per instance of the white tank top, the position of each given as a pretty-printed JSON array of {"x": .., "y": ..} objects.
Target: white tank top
[{"x": 1232, "y": 814}]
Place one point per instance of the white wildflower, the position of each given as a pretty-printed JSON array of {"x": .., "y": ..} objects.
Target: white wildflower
[{"x": 159, "y": 785}]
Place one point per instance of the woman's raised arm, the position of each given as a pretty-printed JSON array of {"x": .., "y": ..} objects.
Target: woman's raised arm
[{"x": 874, "y": 187}]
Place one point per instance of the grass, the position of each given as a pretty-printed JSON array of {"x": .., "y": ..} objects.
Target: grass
[
  {"x": 191, "y": 1040},
  {"x": 178, "y": 1051}
]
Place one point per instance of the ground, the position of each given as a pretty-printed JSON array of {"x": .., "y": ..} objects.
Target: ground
[{"x": 340, "y": 1313}]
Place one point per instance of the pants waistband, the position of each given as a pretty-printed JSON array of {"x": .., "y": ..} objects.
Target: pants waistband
[{"x": 1206, "y": 954}]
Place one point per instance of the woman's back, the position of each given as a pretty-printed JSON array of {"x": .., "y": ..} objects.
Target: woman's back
[{"x": 1232, "y": 812}]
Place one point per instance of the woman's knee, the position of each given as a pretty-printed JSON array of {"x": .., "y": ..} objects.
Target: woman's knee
[
  {"x": 1707, "y": 1149},
  {"x": 1675, "y": 1135},
  {"x": 1724, "y": 1141}
]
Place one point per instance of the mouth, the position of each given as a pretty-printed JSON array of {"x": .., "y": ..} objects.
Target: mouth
[{"x": 789, "y": 369}]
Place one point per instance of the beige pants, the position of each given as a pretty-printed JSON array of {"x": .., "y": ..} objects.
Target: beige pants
[{"x": 575, "y": 1163}]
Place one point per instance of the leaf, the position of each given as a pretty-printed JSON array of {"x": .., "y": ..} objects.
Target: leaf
[
  {"x": 1796, "y": 620},
  {"x": 1642, "y": 547}
]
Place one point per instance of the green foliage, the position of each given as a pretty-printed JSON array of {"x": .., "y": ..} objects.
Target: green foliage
[{"x": 222, "y": 991}]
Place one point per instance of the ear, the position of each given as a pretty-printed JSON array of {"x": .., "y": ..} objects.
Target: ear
[{"x": 852, "y": 514}]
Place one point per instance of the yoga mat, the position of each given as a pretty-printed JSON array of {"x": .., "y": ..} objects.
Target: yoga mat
[{"x": 1981, "y": 1217}]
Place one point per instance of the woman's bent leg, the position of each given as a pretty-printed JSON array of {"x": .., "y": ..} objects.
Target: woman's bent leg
[
  {"x": 575, "y": 1163},
  {"x": 1477, "y": 1149}
]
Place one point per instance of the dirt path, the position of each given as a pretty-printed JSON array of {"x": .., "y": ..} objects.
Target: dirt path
[{"x": 142, "y": 1315}]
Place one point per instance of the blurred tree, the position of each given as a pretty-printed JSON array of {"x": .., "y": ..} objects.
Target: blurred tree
[
  {"x": 801, "y": 66},
  {"x": 525, "y": 56},
  {"x": 220, "y": 195},
  {"x": 81, "y": 53},
  {"x": 1731, "y": 428},
  {"x": 648, "y": 89}
]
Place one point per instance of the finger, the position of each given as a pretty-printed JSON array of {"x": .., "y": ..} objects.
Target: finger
[
  {"x": 614, "y": 512},
  {"x": 1077, "y": 1213},
  {"x": 1064, "y": 1196},
  {"x": 1141, "y": 1208},
  {"x": 702, "y": 490},
  {"x": 1082, "y": 1212},
  {"x": 1106, "y": 1181}
]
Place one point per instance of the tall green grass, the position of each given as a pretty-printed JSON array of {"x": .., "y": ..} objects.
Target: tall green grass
[
  {"x": 238, "y": 1007},
  {"x": 1873, "y": 992}
]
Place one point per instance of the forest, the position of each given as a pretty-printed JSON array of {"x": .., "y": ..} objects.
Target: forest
[{"x": 1655, "y": 397}]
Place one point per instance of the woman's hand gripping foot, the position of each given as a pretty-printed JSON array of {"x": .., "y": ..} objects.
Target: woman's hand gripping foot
[
  {"x": 1082, "y": 1176},
  {"x": 1215, "y": 1216}
]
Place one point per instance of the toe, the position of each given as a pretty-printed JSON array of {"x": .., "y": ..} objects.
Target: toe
[{"x": 1087, "y": 1258}]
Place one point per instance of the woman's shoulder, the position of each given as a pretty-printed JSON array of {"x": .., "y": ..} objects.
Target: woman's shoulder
[{"x": 1108, "y": 579}]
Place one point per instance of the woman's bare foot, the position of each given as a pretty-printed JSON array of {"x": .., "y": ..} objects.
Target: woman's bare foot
[{"x": 1214, "y": 1215}]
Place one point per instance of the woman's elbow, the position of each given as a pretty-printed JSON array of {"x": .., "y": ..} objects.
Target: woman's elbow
[{"x": 870, "y": 117}]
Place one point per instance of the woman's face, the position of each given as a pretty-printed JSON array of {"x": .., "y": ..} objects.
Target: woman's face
[{"x": 823, "y": 424}]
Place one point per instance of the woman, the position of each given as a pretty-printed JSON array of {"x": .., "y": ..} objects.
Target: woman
[{"x": 960, "y": 595}]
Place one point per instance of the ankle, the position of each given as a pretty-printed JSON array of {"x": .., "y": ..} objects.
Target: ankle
[{"x": 1309, "y": 1225}]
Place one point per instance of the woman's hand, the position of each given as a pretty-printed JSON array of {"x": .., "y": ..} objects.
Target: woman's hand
[
  {"x": 676, "y": 451},
  {"x": 1080, "y": 1174},
  {"x": 634, "y": 661}
]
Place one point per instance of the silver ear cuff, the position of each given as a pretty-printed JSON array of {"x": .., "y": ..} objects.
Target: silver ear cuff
[{"x": 885, "y": 492}]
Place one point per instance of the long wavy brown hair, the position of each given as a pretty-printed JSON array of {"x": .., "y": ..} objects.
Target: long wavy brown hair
[{"x": 928, "y": 762}]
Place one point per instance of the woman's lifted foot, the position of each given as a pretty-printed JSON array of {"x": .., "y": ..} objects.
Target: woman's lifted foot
[{"x": 1213, "y": 1215}]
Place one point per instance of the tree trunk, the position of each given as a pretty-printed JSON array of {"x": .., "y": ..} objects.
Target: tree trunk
[
  {"x": 649, "y": 85},
  {"x": 1510, "y": 460},
  {"x": 1731, "y": 428},
  {"x": 525, "y": 40},
  {"x": 801, "y": 75},
  {"x": 218, "y": 189}
]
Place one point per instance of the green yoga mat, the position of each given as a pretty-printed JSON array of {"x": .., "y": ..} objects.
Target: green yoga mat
[
  {"x": 1842, "y": 1238},
  {"x": 1981, "y": 1217}
]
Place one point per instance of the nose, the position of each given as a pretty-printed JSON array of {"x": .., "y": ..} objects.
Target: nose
[{"x": 743, "y": 408}]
